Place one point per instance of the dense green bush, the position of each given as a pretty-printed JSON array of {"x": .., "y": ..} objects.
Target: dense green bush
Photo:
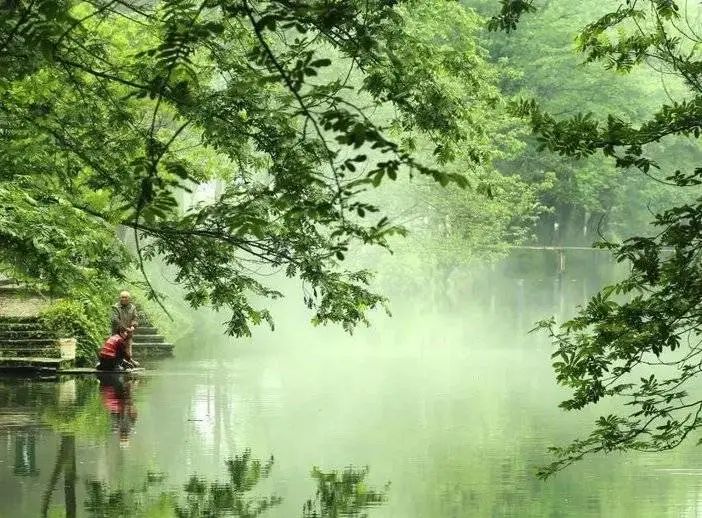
[{"x": 82, "y": 319}]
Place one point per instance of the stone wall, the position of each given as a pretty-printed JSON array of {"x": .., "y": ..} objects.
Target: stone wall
[{"x": 20, "y": 303}]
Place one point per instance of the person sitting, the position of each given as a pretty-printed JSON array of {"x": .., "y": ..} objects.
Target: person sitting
[{"x": 115, "y": 354}]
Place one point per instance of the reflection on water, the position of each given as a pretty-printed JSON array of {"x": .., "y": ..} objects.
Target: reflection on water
[
  {"x": 449, "y": 399},
  {"x": 65, "y": 466},
  {"x": 116, "y": 395},
  {"x": 339, "y": 494},
  {"x": 342, "y": 494},
  {"x": 25, "y": 454},
  {"x": 198, "y": 497}
]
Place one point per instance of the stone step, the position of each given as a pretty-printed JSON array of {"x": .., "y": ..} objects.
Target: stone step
[
  {"x": 140, "y": 339},
  {"x": 32, "y": 352},
  {"x": 152, "y": 345},
  {"x": 145, "y": 330},
  {"x": 146, "y": 350},
  {"x": 34, "y": 364},
  {"x": 24, "y": 334},
  {"x": 19, "y": 326},
  {"x": 38, "y": 342},
  {"x": 18, "y": 320}
]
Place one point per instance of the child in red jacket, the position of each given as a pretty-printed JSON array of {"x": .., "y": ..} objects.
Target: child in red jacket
[{"x": 114, "y": 352}]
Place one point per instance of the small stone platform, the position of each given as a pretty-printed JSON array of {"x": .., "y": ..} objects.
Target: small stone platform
[
  {"x": 90, "y": 371},
  {"x": 35, "y": 364}
]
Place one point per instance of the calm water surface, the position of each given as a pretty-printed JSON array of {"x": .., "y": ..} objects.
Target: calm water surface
[{"x": 433, "y": 413}]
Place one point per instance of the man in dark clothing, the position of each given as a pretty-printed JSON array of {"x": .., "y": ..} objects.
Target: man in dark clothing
[
  {"x": 124, "y": 315},
  {"x": 114, "y": 352}
]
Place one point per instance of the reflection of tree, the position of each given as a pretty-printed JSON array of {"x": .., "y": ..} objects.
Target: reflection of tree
[
  {"x": 26, "y": 454},
  {"x": 201, "y": 499},
  {"x": 342, "y": 494},
  {"x": 81, "y": 417},
  {"x": 66, "y": 463},
  {"x": 338, "y": 495},
  {"x": 229, "y": 498}
]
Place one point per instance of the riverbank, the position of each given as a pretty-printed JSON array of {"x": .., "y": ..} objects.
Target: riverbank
[{"x": 41, "y": 334}]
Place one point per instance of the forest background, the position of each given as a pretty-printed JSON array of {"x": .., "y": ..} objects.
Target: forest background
[{"x": 332, "y": 125}]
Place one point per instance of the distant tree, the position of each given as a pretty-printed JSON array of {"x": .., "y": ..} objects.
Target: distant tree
[
  {"x": 111, "y": 108},
  {"x": 637, "y": 341},
  {"x": 450, "y": 227},
  {"x": 591, "y": 194}
]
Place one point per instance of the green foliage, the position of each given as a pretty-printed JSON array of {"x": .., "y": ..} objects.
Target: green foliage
[
  {"x": 48, "y": 242},
  {"x": 342, "y": 494},
  {"x": 449, "y": 226},
  {"x": 510, "y": 14},
  {"x": 84, "y": 318},
  {"x": 175, "y": 324},
  {"x": 338, "y": 494},
  {"x": 86, "y": 417},
  {"x": 229, "y": 498},
  {"x": 111, "y": 114},
  {"x": 590, "y": 193},
  {"x": 638, "y": 341}
]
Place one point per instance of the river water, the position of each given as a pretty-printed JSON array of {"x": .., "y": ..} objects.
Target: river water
[{"x": 444, "y": 410}]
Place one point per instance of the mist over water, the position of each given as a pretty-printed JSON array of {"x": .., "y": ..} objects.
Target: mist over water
[{"x": 449, "y": 404}]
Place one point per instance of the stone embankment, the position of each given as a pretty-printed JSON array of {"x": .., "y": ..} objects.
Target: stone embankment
[
  {"x": 26, "y": 345},
  {"x": 147, "y": 342}
]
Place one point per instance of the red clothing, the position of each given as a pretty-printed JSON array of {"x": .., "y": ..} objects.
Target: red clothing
[
  {"x": 112, "y": 346},
  {"x": 111, "y": 399}
]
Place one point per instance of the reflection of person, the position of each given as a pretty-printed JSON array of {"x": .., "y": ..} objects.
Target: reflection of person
[
  {"x": 116, "y": 395},
  {"x": 114, "y": 354},
  {"x": 124, "y": 314}
]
